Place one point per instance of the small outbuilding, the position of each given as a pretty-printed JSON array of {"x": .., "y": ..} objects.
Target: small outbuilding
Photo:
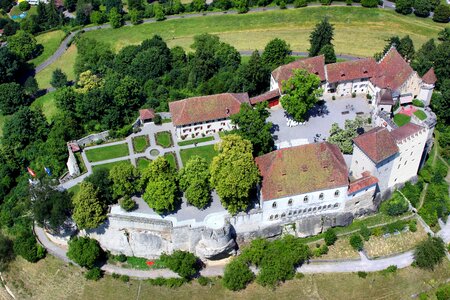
[{"x": 146, "y": 115}]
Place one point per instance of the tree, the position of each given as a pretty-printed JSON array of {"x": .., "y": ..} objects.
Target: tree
[
  {"x": 237, "y": 275},
  {"x": 115, "y": 18},
  {"x": 301, "y": 93},
  {"x": 25, "y": 245},
  {"x": 328, "y": 52},
  {"x": 11, "y": 98},
  {"x": 30, "y": 86},
  {"x": 6, "y": 252},
  {"x": 194, "y": 181},
  {"x": 422, "y": 8},
  {"x": 135, "y": 5},
  {"x": 241, "y": 6},
  {"x": 343, "y": 137},
  {"x": 369, "y": 3},
  {"x": 100, "y": 180},
  {"x": 124, "y": 178},
  {"x": 441, "y": 13},
  {"x": 439, "y": 102},
  {"x": 321, "y": 35},
  {"x": 275, "y": 53},
  {"x": 406, "y": 48},
  {"x": 51, "y": 207},
  {"x": 444, "y": 35},
  {"x": 98, "y": 17},
  {"x": 441, "y": 66},
  {"x": 404, "y": 7},
  {"x": 158, "y": 180},
  {"x": 395, "y": 206},
  {"x": 88, "y": 211},
  {"x": 59, "y": 79},
  {"x": 10, "y": 65},
  {"x": 252, "y": 126},
  {"x": 424, "y": 57},
  {"x": 183, "y": 263},
  {"x": 84, "y": 251},
  {"x": 356, "y": 242},
  {"x": 92, "y": 55},
  {"x": 255, "y": 75},
  {"x": 135, "y": 16},
  {"x": 70, "y": 5},
  {"x": 24, "y": 6},
  {"x": 110, "y": 4},
  {"x": 88, "y": 82},
  {"x": 199, "y": 5},
  {"x": 330, "y": 237},
  {"x": 429, "y": 253},
  {"x": 160, "y": 15},
  {"x": 234, "y": 173},
  {"x": 23, "y": 44}
]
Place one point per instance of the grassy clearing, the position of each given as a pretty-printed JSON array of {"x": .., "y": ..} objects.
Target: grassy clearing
[
  {"x": 142, "y": 163},
  {"x": 420, "y": 114},
  {"x": 200, "y": 140},
  {"x": 48, "y": 105},
  {"x": 65, "y": 63},
  {"x": 340, "y": 250},
  {"x": 401, "y": 119},
  {"x": 140, "y": 263},
  {"x": 207, "y": 152},
  {"x": 366, "y": 28},
  {"x": 108, "y": 152},
  {"x": 164, "y": 139},
  {"x": 140, "y": 143},
  {"x": 171, "y": 159},
  {"x": 109, "y": 166},
  {"x": 2, "y": 122},
  {"x": 50, "y": 41},
  {"x": 52, "y": 279}
]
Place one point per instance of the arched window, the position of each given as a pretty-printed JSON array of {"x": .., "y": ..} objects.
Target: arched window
[
  {"x": 290, "y": 202},
  {"x": 319, "y": 208},
  {"x": 274, "y": 205},
  {"x": 336, "y": 193},
  {"x": 305, "y": 200},
  {"x": 309, "y": 209},
  {"x": 276, "y": 217},
  {"x": 283, "y": 215},
  {"x": 271, "y": 218},
  {"x": 315, "y": 208},
  {"x": 336, "y": 205},
  {"x": 321, "y": 196},
  {"x": 304, "y": 210}
]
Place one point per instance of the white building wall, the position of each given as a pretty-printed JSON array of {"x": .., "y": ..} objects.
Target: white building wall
[
  {"x": 296, "y": 205},
  {"x": 273, "y": 83},
  {"x": 426, "y": 91},
  {"x": 411, "y": 85},
  {"x": 205, "y": 128}
]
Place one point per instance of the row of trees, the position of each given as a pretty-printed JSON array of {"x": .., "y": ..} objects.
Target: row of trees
[{"x": 423, "y": 8}]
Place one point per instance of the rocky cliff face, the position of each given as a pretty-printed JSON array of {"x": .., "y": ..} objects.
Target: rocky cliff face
[{"x": 216, "y": 243}]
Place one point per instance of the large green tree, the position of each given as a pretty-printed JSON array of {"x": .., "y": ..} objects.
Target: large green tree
[
  {"x": 343, "y": 137},
  {"x": 406, "y": 48},
  {"x": 237, "y": 275},
  {"x": 424, "y": 57},
  {"x": 92, "y": 55},
  {"x": 6, "y": 252},
  {"x": 276, "y": 53},
  {"x": 234, "y": 173},
  {"x": 441, "y": 65},
  {"x": 255, "y": 75},
  {"x": 328, "y": 52},
  {"x": 184, "y": 263},
  {"x": 26, "y": 246},
  {"x": 442, "y": 13},
  {"x": 404, "y": 6},
  {"x": 124, "y": 180},
  {"x": 11, "y": 98},
  {"x": 59, "y": 79},
  {"x": 10, "y": 65},
  {"x": 23, "y": 44},
  {"x": 88, "y": 212},
  {"x": 429, "y": 253},
  {"x": 84, "y": 251},
  {"x": 321, "y": 35},
  {"x": 301, "y": 93},
  {"x": 115, "y": 18},
  {"x": 194, "y": 181},
  {"x": 252, "y": 126},
  {"x": 422, "y": 8},
  {"x": 159, "y": 182},
  {"x": 101, "y": 181}
]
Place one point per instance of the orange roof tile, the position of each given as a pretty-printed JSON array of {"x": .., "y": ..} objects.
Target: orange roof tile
[
  {"x": 350, "y": 70},
  {"x": 405, "y": 131},
  {"x": 378, "y": 144},
  {"x": 314, "y": 65},
  {"x": 146, "y": 114},
  {"x": 430, "y": 77},
  {"x": 267, "y": 96},
  {"x": 361, "y": 183},
  {"x": 393, "y": 71}
]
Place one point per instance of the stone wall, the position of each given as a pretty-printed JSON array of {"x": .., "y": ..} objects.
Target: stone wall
[{"x": 93, "y": 138}]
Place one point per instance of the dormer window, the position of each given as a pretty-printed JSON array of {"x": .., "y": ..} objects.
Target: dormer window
[
  {"x": 274, "y": 205},
  {"x": 321, "y": 196},
  {"x": 305, "y": 199},
  {"x": 336, "y": 193},
  {"x": 290, "y": 202}
]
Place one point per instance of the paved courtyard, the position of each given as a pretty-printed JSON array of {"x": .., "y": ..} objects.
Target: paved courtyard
[{"x": 318, "y": 126}]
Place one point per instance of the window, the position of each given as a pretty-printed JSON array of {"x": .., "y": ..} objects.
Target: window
[
  {"x": 321, "y": 196},
  {"x": 274, "y": 205},
  {"x": 411, "y": 153},
  {"x": 357, "y": 202},
  {"x": 336, "y": 205},
  {"x": 336, "y": 193},
  {"x": 290, "y": 202},
  {"x": 290, "y": 213},
  {"x": 304, "y": 210},
  {"x": 283, "y": 215},
  {"x": 305, "y": 200},
  {"x": 276, "y": 217},
  {"x": 271, "y": 218},
  {"x": 405, "y": 162}
]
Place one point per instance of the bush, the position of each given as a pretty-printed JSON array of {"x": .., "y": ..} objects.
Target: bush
[
  {"x": 362, "y": 274},
  {"x": 325, "y": 2},
  {"x": 183, "y": 263},
  {"x": 157, "y": 120},
  {"x": 115, "y": 276},
  {"x": 330, "y": 237},
  {"x": 24, "y": 6},
  {"x": 443, "y": 293},
  {"x": 429, "y": 253},
  {"x": 389, "y": 270},
  {"x": 348, "y": 2},
  {"x": 396, "y": 226},
  {"x": 356, "y": 242},
  {"x": 25, "y": 245},
  {"x": 84, "y": 251},
  {"x": 121, "y": 258},
  {"x": 299, "y": 275},
  {"x": 93, "y": 274},
  {"x": 127, "y": 204},
  {"x": 412, "y": 225},
  {"x": 300, "y": 3},
  {"x": 282, "y": 5},
  {"x": 369, "y": 97},
  {"x": 412, "y": 192},
  {"x": 441, "y": 13},
  {"x": 333, "y": 97},
  {"x": 203, "y": 281},
  {"x": 395, "y": 206},
  {"x": 369, "y": 3},
  {"x": 377, "y": 231},
  {"x": 365, "y": 232},
  {"x": 237, "y": 275},
  {"x": 124, "y": 278},
  {"x": 6, "y": 252},
  {"x": 323, "y": 249},
  {"x": 418, "y": 103}
]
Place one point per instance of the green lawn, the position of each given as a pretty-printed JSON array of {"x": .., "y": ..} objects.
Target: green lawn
[
  {"x": 2, "y": 122},
  {"x": 50, "y": 41},
  {"x": 142, "y": 163},
  {"x": 48, "y": 105},
  {"x": 207, "y": 152},
  {"x": 401, "y": 119},
  {"x": 200, "y": 140},
  {"x": 108, "y": 152},
  {"x": 164, "y": 139},
  {"x": 167, "y": 120},
  {"x": 171, "y": 159},
  {"x": 420, "y": 114},
  {"x": 75, "y": 189},
  {"x": 65, "y": 63},
  {"x": 110, "y": 165},
  {"x": 140, "y": 143},
  {"x": 358, "y": 31},
  {"x": 140, "y": 263}
]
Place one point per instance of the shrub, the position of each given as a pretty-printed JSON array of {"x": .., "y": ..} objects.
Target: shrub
[
  {"x": 282, "y": 5},
  {"x": 412, "y": 192},
  {"x": 356, "y": 242},
  {"x": 115, "y": 275},
  {"x": 330, "y": 237},
  {"x": 377, "y": 231},
  {"x": 121, "y": 258},
  {"x": 333, "y": 97},
  {"x": 25, "y": 245},
  {"x": 429, "y": 253},
  {"x": 412, "y": 226},
  {"x": 442, "y": 13},
  {"x": 127, "y": 204},
  {"x": 395, "y": 206},
  {"x": 183, "y": 263},
  {"x": 389, "y": 270},
  {"x": 362, "y": 274},
  {"x": 365, "y": 232},
  {"x": 325, "y": 2},
  {"x": 24, "y": 6},
  {"x": 348, "y": 2},
  {"x": 418, "y": 103},
  {"x": 157, "y": 120},
  {"x": 443, "y": 293},
  {"x": 353, "y": 95},
  {"x": 93, "y": 274},
  {"x": 84, "y": 251},
  {"x": 316, "y": 252},
  {"x": 323, "y": 249},
  {"x": 6, "y": 252},
  {"x": 369, "y": 97},
  {"x": 237, "y": 275},
  {"x": 203, "y": 281},
  {"x": 125, "y": 278},
  {"x": 300, "y": 3},
  {"x": 299, "y": 275},
  {"x": 369, "y": 3},
  {"x": 396, "y": 226}
]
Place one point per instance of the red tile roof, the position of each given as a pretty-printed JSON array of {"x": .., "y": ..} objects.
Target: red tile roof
[
  {"x": 405, "y": 131},
  {"x": 146, "y": 114},
  {"x": 314, "y": 65},
  {"x": 74, "y": 147},
  {"x": 429, "y": 77},
  {"x": 386, "y": 97},
  {"x": 361, "y": 183},
  {"x": 393, "y": 71},
  {"x": 267, "y": 96},
  {"x": 378, "y": 144},
  {"x": 351, "y": 70},
  {"x": 301, "y": 169},
  {"x": 206, "y": 108}
]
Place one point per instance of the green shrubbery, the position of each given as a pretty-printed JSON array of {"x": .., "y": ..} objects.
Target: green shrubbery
[
  {"x": 429, "y": 253},
  {"x": 93, "y": 274},
  {"x": 127, "y": 204},
  {"x": 412, "y": 192},
  {"x": 84, "y": 251},
  {"x": 418, "y": 103},
  {"x": 183, "y": 263},
  {"x": 237, "y": 275},
  {"x": 356, "y": 242},
  {"x": 330, "y": 237},
  {"x": 25, "y": 245},
  {"x": 362, "y": 274},
  {"x": 365, "y": 232},
  {"x": 203, "y": 281},
  {"x": 443, "y": 293},
  {"x": 395, "y": 206}
]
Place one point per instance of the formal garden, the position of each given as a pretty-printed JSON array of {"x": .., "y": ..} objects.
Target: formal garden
[{"x": 109, "y": 152}]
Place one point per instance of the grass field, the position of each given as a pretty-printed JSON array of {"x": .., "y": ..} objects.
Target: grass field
[
  {"x": 164, "y": 139},
  {"x": 52, "y": 279},
  {"x": 108, "y": 152},
  {"x": 50, "y": 41},
  {"x": 109, "y": 166},
  {"x": 2, "y": 122},
  {"x": 401, "y": 119},
  {"x": 142, "y": 163},
  {"x": 172, "y": 160},
  {"x": 65, "y": 63},
  {"x": 140, "y": 143},
  {"x": 48, "y": 105},
  {"x": 207, "y": 152},
  {"x": 420, "y": 114},
  {"x": 200, "y": 140}
]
